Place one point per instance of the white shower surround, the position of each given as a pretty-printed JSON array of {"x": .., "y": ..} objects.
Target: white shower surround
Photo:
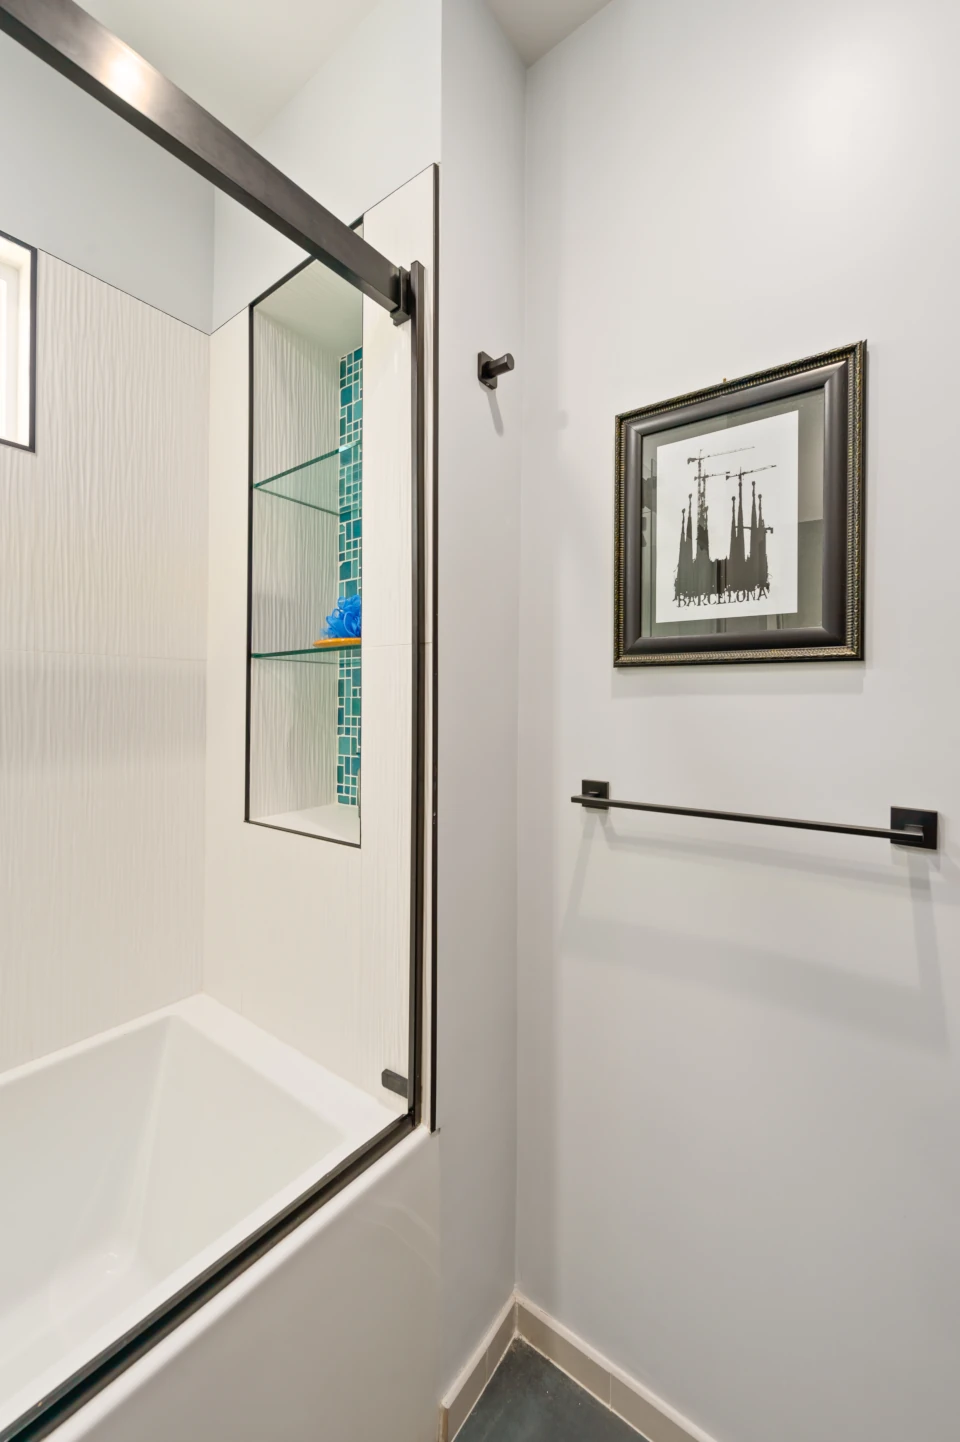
[
  {"x": 103, "y": 584},
  {"x": 375, "y": 1247},
  {"x": 318, "y": 954},
  {"x": 135, "y": 1160}
]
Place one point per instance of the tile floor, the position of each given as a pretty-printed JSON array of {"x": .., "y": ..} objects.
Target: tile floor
[{"x": 528, "y": 1399}]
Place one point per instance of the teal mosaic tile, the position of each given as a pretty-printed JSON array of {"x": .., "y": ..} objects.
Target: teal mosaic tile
[{"x": 349, "y": 558}]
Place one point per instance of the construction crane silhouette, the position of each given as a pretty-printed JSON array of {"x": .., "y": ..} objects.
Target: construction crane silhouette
[
  {"x": 702, "y": 476},
  {"x": 738, "y": 575}
]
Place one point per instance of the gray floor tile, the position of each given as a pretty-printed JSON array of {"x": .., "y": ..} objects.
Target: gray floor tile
[{"x": 531, "y": 1400}]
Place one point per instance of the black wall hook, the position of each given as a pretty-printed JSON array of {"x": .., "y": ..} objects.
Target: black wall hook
[{"x": 489, "y": 369}]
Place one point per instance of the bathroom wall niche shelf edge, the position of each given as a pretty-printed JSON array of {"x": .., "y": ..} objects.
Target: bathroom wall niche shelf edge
[
  {"x": 309, "y": 654},
  {"x": 331, "y": 822},
  {"x": 312, "y": 483}
]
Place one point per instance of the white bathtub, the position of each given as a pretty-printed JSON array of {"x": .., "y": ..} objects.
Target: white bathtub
[{"x": 134, "y": 1160}]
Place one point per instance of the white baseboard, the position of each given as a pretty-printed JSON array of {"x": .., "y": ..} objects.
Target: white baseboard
[
  {"x": 652, "y": 1417},
  {"x": 465, "y": 1391}
]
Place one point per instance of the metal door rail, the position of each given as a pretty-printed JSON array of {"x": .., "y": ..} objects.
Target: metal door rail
[{"x": 908, "y": 827}]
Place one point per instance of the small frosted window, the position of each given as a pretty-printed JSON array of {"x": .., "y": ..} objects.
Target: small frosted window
[{"x": 17, "y": 304}]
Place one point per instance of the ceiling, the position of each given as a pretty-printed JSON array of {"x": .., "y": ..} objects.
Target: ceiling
[
  {"x": 535, "y": 26},
  {"x": 243, "y": 60}
]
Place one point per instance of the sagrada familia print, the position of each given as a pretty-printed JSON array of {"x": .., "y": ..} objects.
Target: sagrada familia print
[{"x": 743, "y": 574}]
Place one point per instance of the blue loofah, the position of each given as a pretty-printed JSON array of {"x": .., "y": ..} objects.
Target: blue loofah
[{"x": 343, "y": 623}]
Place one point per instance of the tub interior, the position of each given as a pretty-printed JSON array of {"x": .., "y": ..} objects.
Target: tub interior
[{"x": 126, "y": 1161}]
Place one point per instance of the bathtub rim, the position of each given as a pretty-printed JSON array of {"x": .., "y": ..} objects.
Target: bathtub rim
[{"x": 49, "y": 1411}]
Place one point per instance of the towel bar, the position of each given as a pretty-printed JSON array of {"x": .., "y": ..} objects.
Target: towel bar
[{"x": 908, "y": 827}]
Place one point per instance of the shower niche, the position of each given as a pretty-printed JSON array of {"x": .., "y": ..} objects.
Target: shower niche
[{"x": 306, "y": 557}]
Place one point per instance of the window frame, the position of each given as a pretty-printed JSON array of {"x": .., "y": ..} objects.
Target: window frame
[{"x": 28, "y": 338}]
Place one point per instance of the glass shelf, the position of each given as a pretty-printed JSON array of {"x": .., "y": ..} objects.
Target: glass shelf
[
  {"x": 311, "y": 654},
  {"x": 313, "y": 483}
]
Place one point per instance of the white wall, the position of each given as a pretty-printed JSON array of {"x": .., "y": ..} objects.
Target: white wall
[
  {"x": 481, "y": 249},
  {"x": 102, "y": 605},
  {"x": 740, "y": 1096},
  {"x": 367, "y": 121},
  {"x": 81, "y": 183}
]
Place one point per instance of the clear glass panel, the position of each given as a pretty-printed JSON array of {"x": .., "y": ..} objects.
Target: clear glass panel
[{"x": 180, "y": 989}]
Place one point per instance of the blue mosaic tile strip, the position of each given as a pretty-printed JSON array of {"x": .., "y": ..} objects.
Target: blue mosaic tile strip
[{"x": 349, "y": 557}]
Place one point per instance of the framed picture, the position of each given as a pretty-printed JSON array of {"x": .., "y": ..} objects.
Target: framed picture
[{"x": 739, "y": 520}]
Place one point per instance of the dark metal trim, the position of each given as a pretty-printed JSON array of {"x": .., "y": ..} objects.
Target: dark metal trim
[
  {"x": 62, "y": 1402},
  {"x": 917, "y": 829},
  {"x": 34, "y": 294},
  {"x": 31, "y": 444},
  {"x": 435, "y": 725},
  {"x": 66, "y": 37},
  {"x": 251, "y": 406},
  {"x": 418, "y": 608},
  {"x": 310, "y": 835},
  {"x": 394, "y": 1082},
  {"x": 840, "y": 374}
]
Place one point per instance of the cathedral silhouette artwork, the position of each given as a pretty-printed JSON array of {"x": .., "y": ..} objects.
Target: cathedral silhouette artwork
[{"x": 743, "y": 574}]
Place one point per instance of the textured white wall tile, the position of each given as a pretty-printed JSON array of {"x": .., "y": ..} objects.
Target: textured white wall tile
[
  {"x": 293, "y": 711},
  {"x": 282, "y": 934},
  {"x": 101, "y": 843},
  {"x": 387, "y": 439},
  {"x": 102, "y": 602},
  {"x": 382, "y": 980},
  {"x": 294, "y": 573},
  {"x": 402, "y": 227},
  {"x": 297, "y": 398},
  {"x": 293, "y": 736},
  {"x": 103, "y": 531}
]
